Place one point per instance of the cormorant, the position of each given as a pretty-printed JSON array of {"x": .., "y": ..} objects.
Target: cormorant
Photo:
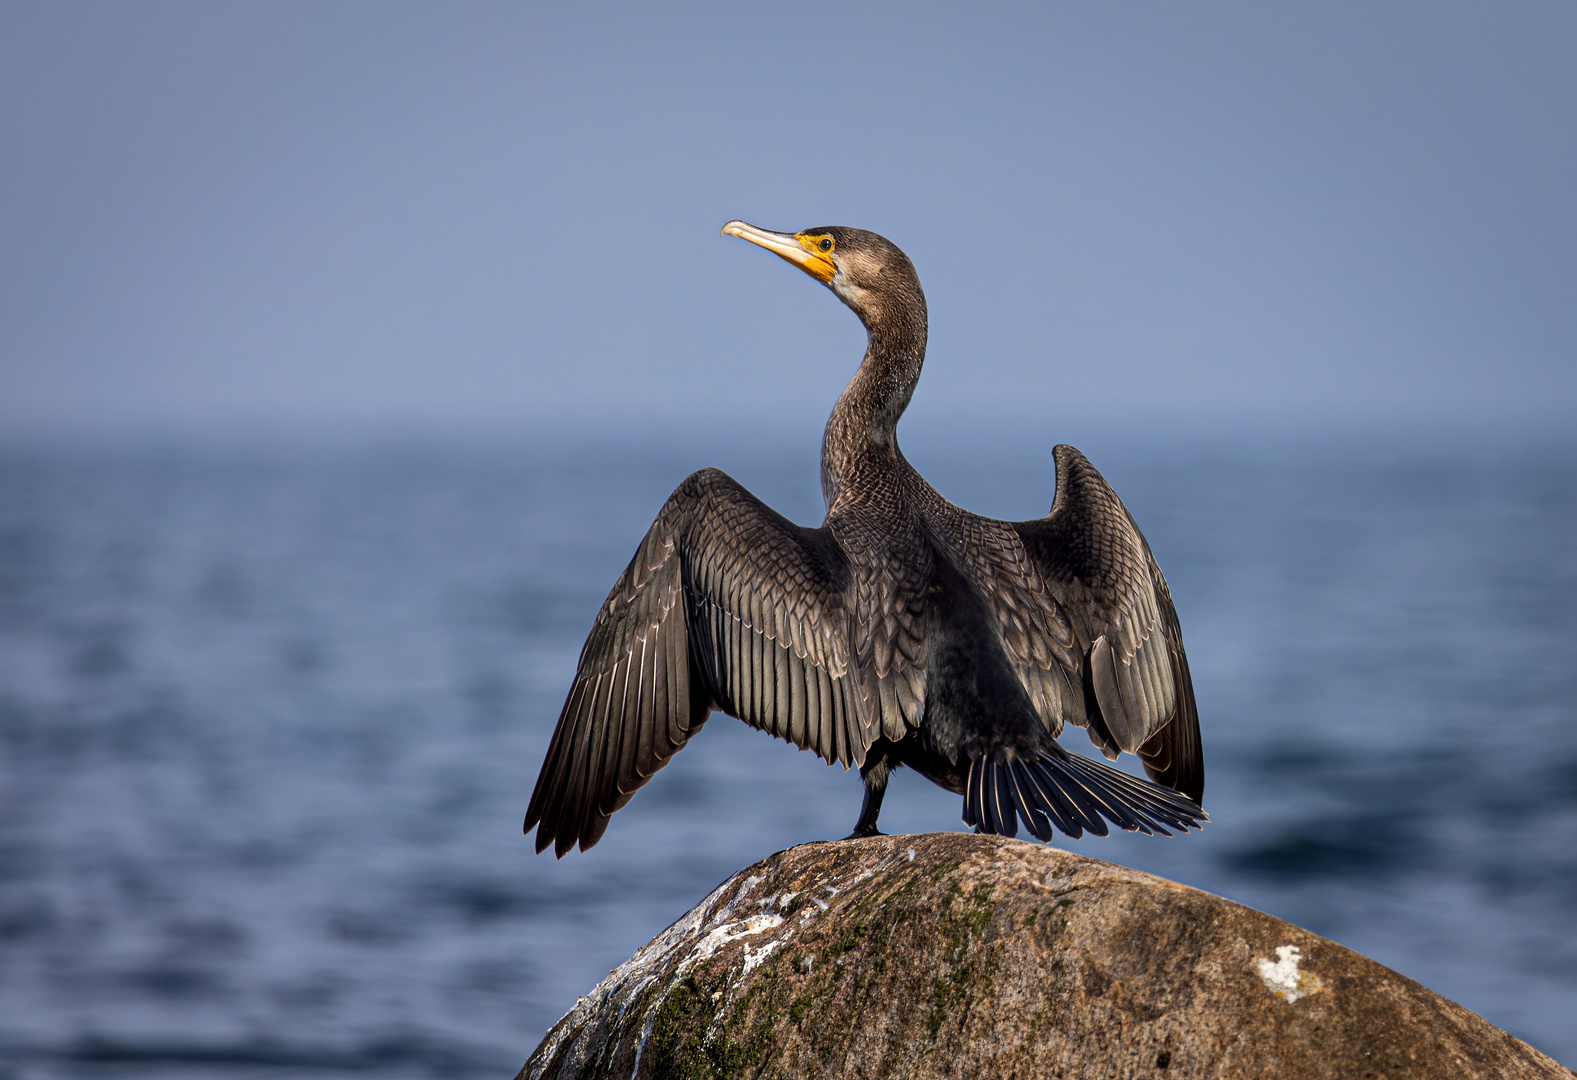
[{"x": 903, "y": 631}]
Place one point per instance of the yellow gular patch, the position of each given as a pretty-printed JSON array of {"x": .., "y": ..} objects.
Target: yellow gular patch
[{"x": 819, "y": 264}]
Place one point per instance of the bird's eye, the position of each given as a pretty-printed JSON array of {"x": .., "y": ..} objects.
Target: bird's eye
[{"x": 826, "y": 243}]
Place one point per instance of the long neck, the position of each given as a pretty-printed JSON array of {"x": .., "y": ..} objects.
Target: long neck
[{"x": 863, "y": 425}]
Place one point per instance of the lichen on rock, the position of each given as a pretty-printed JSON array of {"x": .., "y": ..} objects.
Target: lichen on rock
[{"x": 953, "y": 955}]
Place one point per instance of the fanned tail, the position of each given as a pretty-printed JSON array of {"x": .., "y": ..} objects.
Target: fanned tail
[{"x": 1073, "y": 793}]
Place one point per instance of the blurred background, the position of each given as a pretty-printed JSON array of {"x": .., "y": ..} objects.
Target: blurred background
[{"x": 347, "y": 351}]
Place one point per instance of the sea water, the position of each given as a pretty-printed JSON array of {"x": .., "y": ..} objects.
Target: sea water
[{"x": 269, "y": 720}]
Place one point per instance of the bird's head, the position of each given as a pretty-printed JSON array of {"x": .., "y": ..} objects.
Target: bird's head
[{"x": 867, "y": 271}]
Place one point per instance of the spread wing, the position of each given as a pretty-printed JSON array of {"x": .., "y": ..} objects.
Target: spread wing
[
  {"x": 726, "y": 605},
  {"x": 1088, "y": 620}
]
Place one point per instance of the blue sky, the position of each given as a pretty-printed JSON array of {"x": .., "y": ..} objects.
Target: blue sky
[{"x": 305, "y": 217}]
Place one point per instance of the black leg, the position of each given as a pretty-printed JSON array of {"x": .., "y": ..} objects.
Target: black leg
[{"x": 875, "y": 777}]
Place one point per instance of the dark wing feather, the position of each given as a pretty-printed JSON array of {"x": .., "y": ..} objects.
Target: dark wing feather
[
  {"x": 726, "y": 605},
  {"x": 891, "y": 558},
  {"x": 1174, "y": 755},
  {"x": 1095, "y": 568}
]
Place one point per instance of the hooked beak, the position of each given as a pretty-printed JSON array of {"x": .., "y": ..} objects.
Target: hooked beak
[{"x": 788, "y": 246}]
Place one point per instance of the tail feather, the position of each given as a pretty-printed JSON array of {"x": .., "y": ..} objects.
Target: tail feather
[
  {"x": 999, "y": 805},
  {"x": 1023, "y": 801},
  {"x": 1075, "y": 801},
  {"x": 988, "y": 804},
  {"x": 1074, "y": 794},
  {"x": 1099, "y": 801},
  {"x": 972, "y": 798},
  {"x": 1152, "y": 801},
  {"x": 1044, "y": 795}
]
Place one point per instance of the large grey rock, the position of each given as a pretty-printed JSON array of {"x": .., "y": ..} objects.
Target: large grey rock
[{"x": 952, "y": 955}]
